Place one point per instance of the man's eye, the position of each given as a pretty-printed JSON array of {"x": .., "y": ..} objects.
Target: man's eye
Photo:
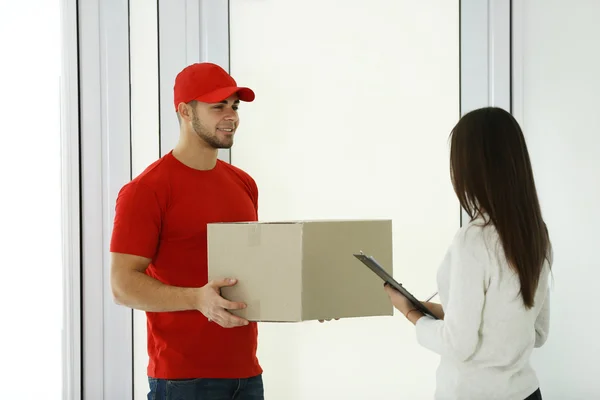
[{"x": 235, "y": 108}]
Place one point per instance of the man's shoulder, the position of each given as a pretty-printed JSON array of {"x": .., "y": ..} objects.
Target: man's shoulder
[
  {"x": 154, "y": 176},
  {"x": 245, "y": 176}
]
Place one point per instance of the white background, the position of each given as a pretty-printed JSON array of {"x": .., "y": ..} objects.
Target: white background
[
  {"x": 353, "y": 110},
  {"x": 386, "y": 79},
  {"x": 557, "y": 99},
  {"x": 30, "y": 200},
  {"x": 346, "y": 99},
  {"x": 145, "y": 139}
]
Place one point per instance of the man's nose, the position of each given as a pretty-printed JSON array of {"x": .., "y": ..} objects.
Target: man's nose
[{"x": 231, "y": 115}]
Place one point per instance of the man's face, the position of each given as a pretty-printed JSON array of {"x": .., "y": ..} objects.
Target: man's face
[{"x": 216, "y": 123}]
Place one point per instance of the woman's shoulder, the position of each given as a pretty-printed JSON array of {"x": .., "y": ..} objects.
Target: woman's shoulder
[
  {"x": 477, "y": 239},
  {"x": 474, "y": 232}
]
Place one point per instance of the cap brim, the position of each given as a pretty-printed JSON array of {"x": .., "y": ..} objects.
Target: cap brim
[{"x": 244, "y": 94}]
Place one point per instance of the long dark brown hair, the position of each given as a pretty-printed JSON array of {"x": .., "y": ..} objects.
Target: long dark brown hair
[{"x": 492, "y": 177}]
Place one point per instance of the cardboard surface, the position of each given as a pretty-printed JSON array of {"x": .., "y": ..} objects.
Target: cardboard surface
[{"x": 293, "y": 271}]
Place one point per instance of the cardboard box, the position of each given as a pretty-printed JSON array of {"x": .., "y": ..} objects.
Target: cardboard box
[{"x": 302, "y": 270}]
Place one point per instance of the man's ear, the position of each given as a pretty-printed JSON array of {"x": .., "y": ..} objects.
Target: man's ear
[{"x": 184, "y": 111}]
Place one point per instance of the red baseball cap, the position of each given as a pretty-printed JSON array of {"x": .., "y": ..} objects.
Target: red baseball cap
[{"x": 208, "y": 83}]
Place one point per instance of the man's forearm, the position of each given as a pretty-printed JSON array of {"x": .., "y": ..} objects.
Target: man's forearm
[{"x": 137, "y": 290}]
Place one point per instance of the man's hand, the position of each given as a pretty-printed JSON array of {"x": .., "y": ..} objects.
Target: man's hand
[
  {"x": 323, "y": 320},
  {"x": 214, "y": 307}
]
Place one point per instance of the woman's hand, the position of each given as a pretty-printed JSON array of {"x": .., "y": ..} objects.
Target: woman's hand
[
  {"x": 401, "y": 303},
  {"x": 435, "y": 308}
]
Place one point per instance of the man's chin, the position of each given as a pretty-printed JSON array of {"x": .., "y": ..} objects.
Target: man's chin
[
  {"x": 225, "y": 142},
  {"x": 219, "y": 144},
  {"x": 225, "y": 146}
]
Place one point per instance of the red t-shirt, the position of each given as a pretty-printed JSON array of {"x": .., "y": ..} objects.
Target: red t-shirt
[{"x": 162, "y": 215}]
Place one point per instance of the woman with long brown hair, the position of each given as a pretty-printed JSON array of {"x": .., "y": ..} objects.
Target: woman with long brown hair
[{"x": 493, "y": 281}]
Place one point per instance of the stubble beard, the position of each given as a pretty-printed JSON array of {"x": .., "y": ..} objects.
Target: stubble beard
[{"x": 209, "y": 137}]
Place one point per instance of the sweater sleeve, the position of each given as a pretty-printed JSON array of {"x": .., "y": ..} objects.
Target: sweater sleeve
[
  {"x": 542, "y": 322},
  {"x": 457, "y": 335}
]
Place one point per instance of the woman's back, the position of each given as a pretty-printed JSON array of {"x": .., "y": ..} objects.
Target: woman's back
[
  {"x": 493, "y": 282},
  {"x": 488, "y": 334}
]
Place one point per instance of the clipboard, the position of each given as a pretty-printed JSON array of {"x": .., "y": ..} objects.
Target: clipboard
[{"x": 374, "y": 266}]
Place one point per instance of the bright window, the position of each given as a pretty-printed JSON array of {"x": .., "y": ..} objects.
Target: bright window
[{"x": 30, "y": 200}]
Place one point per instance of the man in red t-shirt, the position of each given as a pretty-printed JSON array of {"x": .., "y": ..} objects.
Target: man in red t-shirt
[{"x": 197, "y": 349}]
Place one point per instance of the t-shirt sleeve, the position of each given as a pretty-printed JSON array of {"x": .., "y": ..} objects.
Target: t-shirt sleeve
[
  {"x": 137, "y": 221},
  {"x": 254, "y": 193}
]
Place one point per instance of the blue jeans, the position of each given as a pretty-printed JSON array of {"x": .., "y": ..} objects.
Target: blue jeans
[{"x": 206, "y": 389}]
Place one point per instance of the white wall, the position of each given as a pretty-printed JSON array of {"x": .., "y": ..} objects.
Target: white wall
[
  {"x": 354, "y": 105},
  {"x": 557, "y": 99},
  {"x": 145, "y": 140},
  {"x": 30, "y": 200},
  {"x": 105, "y": 161}
]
